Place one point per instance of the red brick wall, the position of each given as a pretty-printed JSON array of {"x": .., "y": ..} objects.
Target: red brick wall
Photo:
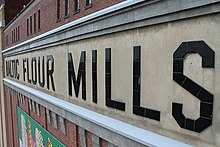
[
  {"x": 89, "y": 139},
  {"x": 14, "y": 103},
  {"x": 48, "y": 9},
  {"x": 78, "y": 138},
  {"x": 103, "y": 143},
  {"x": 72, "y": 133},
  {"x": 9, "y": 119},
  {"x": 70, "y": 139},
  {"x": 25, "y": 106},
  {"x": 39, "y": 119}
]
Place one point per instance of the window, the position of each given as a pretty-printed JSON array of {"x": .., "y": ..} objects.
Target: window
[
  {"x": 31, "y": 31},
  {"x": 27, "y": 27},
  {"x": 76, "y": 6},
  {"x": 15, "y": 35},
  {"x": 38, "y": 20},
  {"x": 18, "y": 33},
  {"x": 88, "y": 3},
  {"x": 66, "y": 8},
  {"x": 35, "y": 26},
  {"x": 6, "y": 40},
  {"x": 58, "y": 9},
  {"x": 12, "y": 33}
]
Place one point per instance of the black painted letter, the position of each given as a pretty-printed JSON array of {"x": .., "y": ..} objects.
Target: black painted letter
[
  {"x": 24, "y": 68},
  {"x": 34, "y": 70},
  {"x": 50, "y": 72},
  {"x": 41, "y": 83},
  {"x": 206, "y": 98},
  {"x": 94, "y": 76},
  {"x": 109, "y": 102},
  {"x": 137, "y": 109},
  {"x": 17, "y": 64},
  {"x": 81, "y": 74}
]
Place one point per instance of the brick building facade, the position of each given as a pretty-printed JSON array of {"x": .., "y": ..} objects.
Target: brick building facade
[
  {"x": 42, "y": 16},
  {"x": 67, "y": 132},
  {"x": 107, "y": 73}
]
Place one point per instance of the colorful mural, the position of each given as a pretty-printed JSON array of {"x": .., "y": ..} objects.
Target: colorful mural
[{"x": 32, "y": 134}]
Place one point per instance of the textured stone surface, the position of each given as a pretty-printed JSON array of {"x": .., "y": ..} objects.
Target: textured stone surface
[{"x": 158, "y": 90}]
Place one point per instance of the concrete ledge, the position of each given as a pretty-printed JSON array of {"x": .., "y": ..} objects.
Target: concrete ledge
[
  {"x": 124, "y": 16},
  {"x": 116, "y": 132}
]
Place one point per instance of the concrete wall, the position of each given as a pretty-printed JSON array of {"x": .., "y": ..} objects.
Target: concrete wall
[
  {"x": 159, "y": 36},
  {"x": 158, "y": 90}
]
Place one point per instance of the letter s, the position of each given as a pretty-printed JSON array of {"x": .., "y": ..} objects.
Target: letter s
[{"x": 205, "y": 97}]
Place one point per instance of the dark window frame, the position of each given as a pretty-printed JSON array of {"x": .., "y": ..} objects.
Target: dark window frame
[
  {"x": 6, "y": 40},
  {"x": 35, "y": 23},
  {"x": 58, "y": 11},
  {"x": 28, "y": 27},
  {"x": 76, "y": 6},
  {"x": 39, "y": 27},
  {"x": 31, "y": 30},
  {"x": 67, "y": 6},
  {"x": 12, "y": 33},
  {"x": 18, "y": 33},
  {"x": 88, "y": 3}
]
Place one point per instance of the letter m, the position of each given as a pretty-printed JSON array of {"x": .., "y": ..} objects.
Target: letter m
[{"x": 76, "y": 80}]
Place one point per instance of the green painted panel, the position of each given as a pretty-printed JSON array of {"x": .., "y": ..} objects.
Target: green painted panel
[{"x": 32, "y": 134}]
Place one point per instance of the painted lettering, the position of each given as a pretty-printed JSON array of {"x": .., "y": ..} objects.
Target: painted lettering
[
  {"x": 137, "y": 109},
  {"x": 205, "y": 97},
  {"x": 75, "y": 80},
  {"x": 12, "y": 68}
]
